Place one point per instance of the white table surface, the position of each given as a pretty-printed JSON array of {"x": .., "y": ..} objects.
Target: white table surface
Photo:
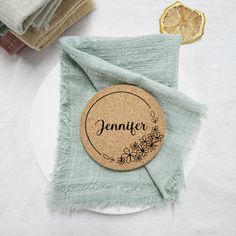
[{"x": 207, "y": 206}]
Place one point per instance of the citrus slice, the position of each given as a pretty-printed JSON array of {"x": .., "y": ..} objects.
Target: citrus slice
[{"x": 179, "y": 19}]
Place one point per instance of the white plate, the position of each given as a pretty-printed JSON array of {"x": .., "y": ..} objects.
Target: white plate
[{"x": 44, "y": 124}]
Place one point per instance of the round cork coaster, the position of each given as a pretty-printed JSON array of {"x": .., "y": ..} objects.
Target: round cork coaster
[{"x": 122, "y": 127}]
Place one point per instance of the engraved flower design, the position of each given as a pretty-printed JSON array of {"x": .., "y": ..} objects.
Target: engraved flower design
[
  {"x": 139, "y": 149},
  {"x": 155, "y": 129},
  {"x": 129, "y": 155},
  {"x": 158, "y": 137},
  {"x": 155, "y": 134},
  {"x": 138, "y": 158},
  {"x": 151, "y": 137},
  {"x": 134, "y": 146},
  {"x": 152, "y": 144},
  {"x": 143, "y": 149},
  {"x": 144, "y": 140},
  {"x": 121, "y": 160}
]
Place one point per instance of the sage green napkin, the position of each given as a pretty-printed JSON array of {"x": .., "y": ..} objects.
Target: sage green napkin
[
  {"x": 20, "y": 15},
  {"x": 91, "y": 64}
]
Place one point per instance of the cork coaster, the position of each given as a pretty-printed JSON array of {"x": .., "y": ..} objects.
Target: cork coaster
[{"x": 122, "y": 127}]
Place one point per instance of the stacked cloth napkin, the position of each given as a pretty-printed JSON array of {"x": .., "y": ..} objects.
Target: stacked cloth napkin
[
  {"x": 91, "y": 64},
  {"x": 37, "y": 23}
]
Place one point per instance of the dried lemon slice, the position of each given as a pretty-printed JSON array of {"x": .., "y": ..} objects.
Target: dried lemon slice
[{"x": 179, "y": 19}]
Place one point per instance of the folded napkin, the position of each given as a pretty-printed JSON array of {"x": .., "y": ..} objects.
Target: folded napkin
[
  {"x": 10, "y": 43},
  {"x": 3, "y": 29},
  {"x": 69, "y": 12},
  {"x": 91, "y": 64},
  {"x": 20, "y": 15}
]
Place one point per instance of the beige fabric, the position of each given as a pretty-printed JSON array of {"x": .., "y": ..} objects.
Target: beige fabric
[{"x": 69, "y": 12}]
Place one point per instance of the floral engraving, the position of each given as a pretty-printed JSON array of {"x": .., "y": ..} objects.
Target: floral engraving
[{"x": 139, "y": 149}]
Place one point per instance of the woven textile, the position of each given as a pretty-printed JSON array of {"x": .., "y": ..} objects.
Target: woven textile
[
  {"x": 20, "y": 15},
  {"x": 68, "y": 13},
  {"x": 91, "y": 64}
]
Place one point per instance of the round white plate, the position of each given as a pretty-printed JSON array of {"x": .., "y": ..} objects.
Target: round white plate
[{"x": 44, "y": 124}]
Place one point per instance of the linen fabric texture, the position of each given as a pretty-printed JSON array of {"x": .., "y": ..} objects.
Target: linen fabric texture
[
  {"x": 68, "y": 13},
  {"x": 20, "y": 15},
  {"x": 91, "y": 64}
]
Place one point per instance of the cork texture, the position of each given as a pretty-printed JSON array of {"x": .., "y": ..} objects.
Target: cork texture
[{"x": 122, "y": 127}]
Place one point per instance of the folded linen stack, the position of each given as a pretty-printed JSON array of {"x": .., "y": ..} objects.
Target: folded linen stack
[{"x": 37, "y": 23}]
